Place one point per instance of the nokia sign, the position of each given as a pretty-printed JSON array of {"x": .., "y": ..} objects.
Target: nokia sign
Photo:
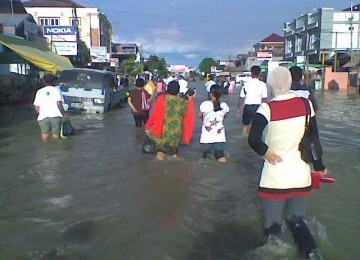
[{"x": 59, "y": 30}]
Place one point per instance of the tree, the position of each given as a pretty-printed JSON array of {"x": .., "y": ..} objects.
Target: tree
[
  {"x": 154, "y": 63},
  {"x": 132, "y": 67},
  {"x": 206, "y": 64}
]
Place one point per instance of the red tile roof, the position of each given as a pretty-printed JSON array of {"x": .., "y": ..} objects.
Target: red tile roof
[
  {"x": 273, "y": 38},
  {"x": 52, "y": 3}
]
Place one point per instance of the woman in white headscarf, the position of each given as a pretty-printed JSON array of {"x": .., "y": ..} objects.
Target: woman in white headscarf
[{"x": 277, "y": 130}]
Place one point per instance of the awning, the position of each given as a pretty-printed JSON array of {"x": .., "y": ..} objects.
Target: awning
[
  {"x": 39, "y": 55},
  {"x": 350, "y": 64}
]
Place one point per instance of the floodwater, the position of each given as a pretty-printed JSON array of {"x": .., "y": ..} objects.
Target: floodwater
[{"x": 96, "y": 196}]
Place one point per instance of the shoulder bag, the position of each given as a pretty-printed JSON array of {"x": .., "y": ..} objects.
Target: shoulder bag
[{"x": 310, "y": 146}]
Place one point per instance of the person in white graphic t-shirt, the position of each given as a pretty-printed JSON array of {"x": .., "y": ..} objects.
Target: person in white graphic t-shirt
[{"x": 213, "y": 138}]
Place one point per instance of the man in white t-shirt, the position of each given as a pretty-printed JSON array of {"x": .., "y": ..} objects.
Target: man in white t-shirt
[
  {"x": 183, "y": 85},
  {"x": 252, "y": 94},
  {"x": 169, "y": 79},
  {"x": 48, "y": 104},
  {"x": 209, "y": 84}
]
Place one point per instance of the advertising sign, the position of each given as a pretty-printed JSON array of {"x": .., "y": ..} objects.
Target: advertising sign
[
  {"x": 264, "y": 55},
  {"x": 65, "y": 48},
  {"x": 59, "y": 30},
  {"x": 98, "y": 53}
]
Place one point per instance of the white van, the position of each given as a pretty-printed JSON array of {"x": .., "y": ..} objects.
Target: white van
[
  {"x": 242, "y": 78},
  {"x": 90, "y": 90}
]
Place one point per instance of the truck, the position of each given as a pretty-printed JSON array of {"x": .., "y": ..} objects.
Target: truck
[{"x": 90, "y": 90}]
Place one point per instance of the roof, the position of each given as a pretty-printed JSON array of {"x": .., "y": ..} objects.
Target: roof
[
  {"x": 350, "y": 64},
  {"x": 11, "y": 6},
  {"x": 354, "y": 8},
  {"x": 16, "y": 19},
  {"x": 273, "y": 38},
  {"x": 52, "y": 3}
]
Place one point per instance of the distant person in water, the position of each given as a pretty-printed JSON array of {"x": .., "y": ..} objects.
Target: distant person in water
[
  {"x": 171, "y": 121},
  {"x": 300, "y": 89},
  {"x": 252, "y": 94},
  {"x": 136, "y": 102},
  {"x": 212, "y": 112},
  {"x": 48, "y": 104}
]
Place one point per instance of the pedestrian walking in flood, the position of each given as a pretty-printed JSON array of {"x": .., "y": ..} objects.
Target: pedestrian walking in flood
[
  {"x": 252, "y": 94},
  {"x": 209, "y": 83},
  {"x": 285, "y": 182},
  {"x": 300, "y": 89},
  {"x": 212, "y": 112},
  {"x": 171, "y": 120},
  {"x": 48, "y": 104},
  {"x": 139, "y": 102}
]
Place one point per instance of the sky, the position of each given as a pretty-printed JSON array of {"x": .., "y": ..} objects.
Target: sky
[{"x": 184, "y": 32}]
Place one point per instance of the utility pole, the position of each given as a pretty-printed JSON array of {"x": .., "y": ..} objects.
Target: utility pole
[
  {"x": 76, "y": 24},
  {"x": 351, "y": 30},
  {"x": 335, "y": 65}
]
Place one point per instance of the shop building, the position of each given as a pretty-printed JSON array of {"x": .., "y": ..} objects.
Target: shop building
[{"x": 64, "y": 22}]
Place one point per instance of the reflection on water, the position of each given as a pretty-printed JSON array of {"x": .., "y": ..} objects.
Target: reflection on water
[{"x": 95, "y": 195}]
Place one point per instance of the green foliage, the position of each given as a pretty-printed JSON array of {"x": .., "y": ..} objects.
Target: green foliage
[
  {"x": 206, "y": 64},
  {"x": 155, "y": 63},
  {"x": 84, "y": 54},
  {"x": 132, "y": 67},
  {"x": 83, "y": 58}
]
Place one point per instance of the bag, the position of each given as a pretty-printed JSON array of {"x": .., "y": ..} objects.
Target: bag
[
  {"x": 310, "y": 146},
  {"x": 66, "y": 129},
  {"x": 145, "y": 105},
  {"x": 149, "y": 145}
]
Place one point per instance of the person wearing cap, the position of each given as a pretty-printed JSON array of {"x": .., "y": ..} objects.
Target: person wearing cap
[
  {"x": 171, "y": 121},
  {"x": 48, "y": 104}
]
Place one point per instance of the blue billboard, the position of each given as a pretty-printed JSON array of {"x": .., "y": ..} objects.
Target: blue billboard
[{"x": 59, "y": 30}]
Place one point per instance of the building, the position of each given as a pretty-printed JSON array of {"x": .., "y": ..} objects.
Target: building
[
  {"x": 64, "y": 22},
  {"x": 323, "y": 36},
  {"x": 270, "y": 48},
  {"x": 24, "y": 53}
]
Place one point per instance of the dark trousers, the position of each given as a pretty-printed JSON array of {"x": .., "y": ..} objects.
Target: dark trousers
[{"x": 141, "y": 120}]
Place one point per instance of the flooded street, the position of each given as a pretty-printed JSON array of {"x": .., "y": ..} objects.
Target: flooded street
[{"x": 96, "y": 196}]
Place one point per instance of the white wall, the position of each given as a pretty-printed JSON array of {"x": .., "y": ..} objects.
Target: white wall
[{"x": 88, "y": 18}]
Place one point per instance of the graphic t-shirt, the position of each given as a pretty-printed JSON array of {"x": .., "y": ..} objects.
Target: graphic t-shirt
[
  {"x": 213, "y": 130},
  {"x": 46, "y": 99}
]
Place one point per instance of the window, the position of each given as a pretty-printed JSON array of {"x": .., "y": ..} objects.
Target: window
[
  {"x": 49, "y": 21},
  {"x": 73, "y": 20}
]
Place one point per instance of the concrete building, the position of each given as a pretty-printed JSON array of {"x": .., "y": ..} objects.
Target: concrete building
[
  {"x": 323, "y": 36},
  {"x": 63, "y": 21},
  {"x": 270, "y": 48}
]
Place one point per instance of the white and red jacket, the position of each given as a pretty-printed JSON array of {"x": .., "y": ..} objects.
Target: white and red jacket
[{"x": 280, "y": 125}]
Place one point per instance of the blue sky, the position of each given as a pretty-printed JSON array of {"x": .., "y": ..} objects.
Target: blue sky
[{"x": 186, "y": 31}]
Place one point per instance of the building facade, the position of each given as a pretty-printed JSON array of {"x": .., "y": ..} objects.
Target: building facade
[
  {"x": 322, "y": 36},
  {"x": 270, "y": 48},
  {"x": 63, "y": 22}
]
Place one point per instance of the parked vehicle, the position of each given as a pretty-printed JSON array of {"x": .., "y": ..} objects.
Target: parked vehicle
[
  {"x": 90, "y": 90},
  {"x": 242, "y": 78}
]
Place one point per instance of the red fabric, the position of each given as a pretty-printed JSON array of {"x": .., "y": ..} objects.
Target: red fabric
[
  {"x": 189, "y": 122},
  {"x": 316, "y": 180},
  {"x": 157, "y": 117},
  {"x": 286, "y": 109},
  {"x": 295, "y": 194}
]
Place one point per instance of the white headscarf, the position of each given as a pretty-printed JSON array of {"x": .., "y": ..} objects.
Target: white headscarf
[{"x": 279, "y": 81}]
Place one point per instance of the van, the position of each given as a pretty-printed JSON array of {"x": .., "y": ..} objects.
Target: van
[
  {"x": 242, "y": 78},
  {"x": 90, "y": 90}
]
